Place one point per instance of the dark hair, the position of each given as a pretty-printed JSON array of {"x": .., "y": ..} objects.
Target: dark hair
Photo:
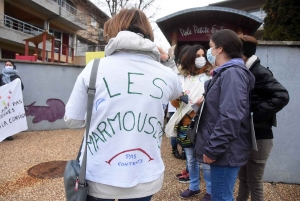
[
  {"x": 11, "y": 63},
  {"x": 179, "y": 52},
  {"x": 249, "y": 45},
  {"x": 188, "y": 61},
  {"x": 230, "y": 42}
]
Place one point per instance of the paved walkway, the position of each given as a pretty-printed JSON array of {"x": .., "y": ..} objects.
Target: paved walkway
[{"x": 32, "y": 148}]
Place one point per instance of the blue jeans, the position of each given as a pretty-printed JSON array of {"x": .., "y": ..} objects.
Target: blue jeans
[
  {"x": 193, "y": 167},
  {"x": 207, "y": 177},
  {"x": 90, "y": 198},
  {"x": 173, "y": 142},
  {"x": 223, "y": 179}
]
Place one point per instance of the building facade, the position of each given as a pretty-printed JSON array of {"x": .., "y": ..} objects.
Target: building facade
[
  {"x": 253, "y": 7},
  {"x": 76, "y": 25},
  {"x": 196, "y": 25}
]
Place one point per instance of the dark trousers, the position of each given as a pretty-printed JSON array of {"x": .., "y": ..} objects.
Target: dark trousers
[
  {"x": 251, "y": 175},
  {"x": 90, "y": 198}
]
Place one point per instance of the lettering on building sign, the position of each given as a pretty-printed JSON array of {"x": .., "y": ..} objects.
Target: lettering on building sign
[{"x": 200, "y": 30}]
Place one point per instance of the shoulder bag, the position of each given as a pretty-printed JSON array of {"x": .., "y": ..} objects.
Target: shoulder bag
[{"x": 191, "y": 132}]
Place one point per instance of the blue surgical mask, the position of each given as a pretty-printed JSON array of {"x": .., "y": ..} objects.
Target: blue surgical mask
[{"x": 210, "y": 57}]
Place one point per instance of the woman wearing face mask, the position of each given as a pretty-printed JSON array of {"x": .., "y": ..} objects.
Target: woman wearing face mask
[
  {"x": 224, "y": 139},
  {"x": 193, "y": 73},
  {"x": 9, "y": 74}
]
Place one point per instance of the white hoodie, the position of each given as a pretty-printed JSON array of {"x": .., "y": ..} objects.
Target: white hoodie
[{"x": 132, "y": 90}]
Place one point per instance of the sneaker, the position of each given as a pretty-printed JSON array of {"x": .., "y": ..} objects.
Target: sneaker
[
  {"x": 183, "y": 173},
  {"x": 184, "y": 180},
  {"x": 176, "y": 154},
  {"x": 10, "y": 138},
  {"x": 189, "y": 193},
  {"x": 207, "y": 197}
]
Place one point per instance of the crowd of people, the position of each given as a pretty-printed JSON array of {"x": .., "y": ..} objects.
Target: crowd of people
[{"x": 137, "y": 80}]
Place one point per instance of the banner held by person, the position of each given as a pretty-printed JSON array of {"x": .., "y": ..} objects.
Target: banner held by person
[{"x": 12, "y": 113}]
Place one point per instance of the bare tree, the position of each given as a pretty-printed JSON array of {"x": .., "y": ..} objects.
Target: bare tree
[{"x": 149, "y": 7}]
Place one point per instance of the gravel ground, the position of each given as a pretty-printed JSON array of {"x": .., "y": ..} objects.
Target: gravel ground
[{"x": 32, "y": 148}]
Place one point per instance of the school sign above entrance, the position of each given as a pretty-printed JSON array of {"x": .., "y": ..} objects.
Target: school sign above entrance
[{"x": 198, "y": 24}]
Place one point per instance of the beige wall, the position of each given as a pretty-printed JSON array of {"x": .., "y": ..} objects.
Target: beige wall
[
  {"x": 1, "y": 6},
  {"x": 63, "y": 58},
  {"x": 79, "y": 60},
  {"x": 1, "y": 10}
]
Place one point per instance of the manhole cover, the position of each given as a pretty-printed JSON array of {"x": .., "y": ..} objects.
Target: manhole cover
[{"x": 48, "y": 170}]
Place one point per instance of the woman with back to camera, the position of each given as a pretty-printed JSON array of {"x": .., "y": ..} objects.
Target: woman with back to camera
[
  {"x": 9, "y": 74},
  {"x": 193, "y": 73},
  {"x": 124, "y": 159},
  {"x": 224, "y": 139}
]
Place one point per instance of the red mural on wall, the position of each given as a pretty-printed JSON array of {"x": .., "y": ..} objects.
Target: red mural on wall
[{"x": 54, "y": 111}]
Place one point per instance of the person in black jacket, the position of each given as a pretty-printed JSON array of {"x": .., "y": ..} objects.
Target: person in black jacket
[
  {"x": 9, "y": 74},
  {"x": 267, "y": 98}
]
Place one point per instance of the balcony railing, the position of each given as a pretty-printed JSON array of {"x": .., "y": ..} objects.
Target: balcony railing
[
  {"x": 66, "y": 6},
  {"x": 82, "y": 49},
  {"x": 19, "y": 25}
]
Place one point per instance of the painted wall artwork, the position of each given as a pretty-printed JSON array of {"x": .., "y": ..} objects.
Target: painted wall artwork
[{"x": 54, "y": 111}]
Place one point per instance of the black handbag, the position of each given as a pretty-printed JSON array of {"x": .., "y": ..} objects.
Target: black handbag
[
  {"x": 191, "y": 132},
  {"x": 74, "y": 175}
]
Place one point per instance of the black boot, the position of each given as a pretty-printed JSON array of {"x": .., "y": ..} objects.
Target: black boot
[
  {"x": 175, "y": 152},
  {"x": 183, "y": 156},
  {"x": 10, "y": 138}
]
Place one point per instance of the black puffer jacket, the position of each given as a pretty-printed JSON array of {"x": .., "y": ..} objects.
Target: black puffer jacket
[
  {"x": 267, "y": 98},
  {"x": 12, "y": 78}
]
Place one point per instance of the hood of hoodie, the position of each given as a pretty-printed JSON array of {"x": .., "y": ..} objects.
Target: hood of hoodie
[
  {"x": 237, "y": 62},
  {"x": 130, "y": 41}
]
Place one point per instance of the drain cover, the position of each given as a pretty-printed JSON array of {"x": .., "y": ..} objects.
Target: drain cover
[{"x": 48, "y": 170}]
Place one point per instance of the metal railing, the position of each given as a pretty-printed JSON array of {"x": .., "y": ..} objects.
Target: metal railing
[
  {"x": 66, "y": 6},
  {"x": 19, "y": 25},
  {"x": 82, "y": 49},
  {"x": 94, "y": 48}
]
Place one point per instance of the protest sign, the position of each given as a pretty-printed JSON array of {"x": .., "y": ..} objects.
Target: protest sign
[{"x": 12, "y": 113}]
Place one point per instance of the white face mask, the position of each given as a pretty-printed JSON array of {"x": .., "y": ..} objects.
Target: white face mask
[
  {"x": 200, "y": 62},
  {"x": 9, "y": 67}
]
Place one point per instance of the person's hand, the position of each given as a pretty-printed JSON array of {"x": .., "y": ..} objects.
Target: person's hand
[
  {"x": 200, "y": 100},
  {"x": 207, "y": 159},
  {"x": 163, "y": 55}
]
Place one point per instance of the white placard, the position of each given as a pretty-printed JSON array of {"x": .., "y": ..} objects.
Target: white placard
[{"x": 12, "y": 113}]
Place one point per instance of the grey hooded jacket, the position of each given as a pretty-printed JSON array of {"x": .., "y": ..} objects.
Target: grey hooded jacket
[{"x": 224, "y": 129}]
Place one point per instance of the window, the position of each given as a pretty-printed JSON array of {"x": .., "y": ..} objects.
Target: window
[
  {"x": 57, "y": 42},
  {"x": 101, "y": 37},
  {"x": 93, "y": 22},
  {"x": 91, "y": 48},
  {"x": 82, "y": 47},
  {"x": 70, "y": 45}
]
